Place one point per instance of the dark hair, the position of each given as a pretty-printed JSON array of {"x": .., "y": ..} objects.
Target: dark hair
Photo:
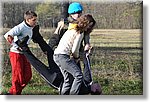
[
  {"x": 85, "y": 21},
  {"x": 29, "y": 14}
]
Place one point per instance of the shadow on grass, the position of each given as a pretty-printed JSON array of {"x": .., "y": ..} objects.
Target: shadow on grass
[{"x": 119, "y": 50}]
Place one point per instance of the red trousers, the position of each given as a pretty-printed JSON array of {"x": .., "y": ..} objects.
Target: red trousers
[{"x": 21, "y": 72}]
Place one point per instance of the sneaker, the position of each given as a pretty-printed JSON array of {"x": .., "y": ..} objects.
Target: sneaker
[{"x": 96, "y": 89}]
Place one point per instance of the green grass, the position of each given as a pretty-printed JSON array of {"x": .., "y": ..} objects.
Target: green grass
[{"x": 116, "y": 63}]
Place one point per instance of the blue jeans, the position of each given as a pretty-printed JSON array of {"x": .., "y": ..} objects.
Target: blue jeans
[{"x": 68, "y": 66}]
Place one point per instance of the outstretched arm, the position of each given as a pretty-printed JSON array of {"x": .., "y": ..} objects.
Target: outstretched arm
[
  {"x": 54, "y": 40},
  {"x": 37, "y": 38}
]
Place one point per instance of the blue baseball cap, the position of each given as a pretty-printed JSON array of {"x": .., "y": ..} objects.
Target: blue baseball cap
[{"x": 75, "y": 7}]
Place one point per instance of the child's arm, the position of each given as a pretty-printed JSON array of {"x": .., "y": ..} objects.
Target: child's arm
[
  {"x": 54, "y": 40},
  {"x": 87, "y": 42},
  {"x": 10, "y": 39},
  {"x": 9, "y": 36},
  {"x": 59, "y": 27}
]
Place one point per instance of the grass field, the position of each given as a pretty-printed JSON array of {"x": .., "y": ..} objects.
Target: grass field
[{"x": 116, "y": 62}]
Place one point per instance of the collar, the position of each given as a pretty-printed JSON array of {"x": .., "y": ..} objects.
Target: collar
[
  {"x": 72, "y": 26},
  {"x": 27, "y": 24}
]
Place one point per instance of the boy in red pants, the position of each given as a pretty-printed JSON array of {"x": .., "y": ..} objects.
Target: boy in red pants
[{"x": 21, "y": 68}]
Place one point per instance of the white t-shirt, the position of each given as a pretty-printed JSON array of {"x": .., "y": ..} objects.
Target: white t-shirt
[
  {"x": 18, "y": 32},
  {"x": 69, "y": 43}
]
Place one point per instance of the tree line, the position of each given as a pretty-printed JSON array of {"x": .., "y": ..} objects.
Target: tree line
[{"x": 111, "y": 15}]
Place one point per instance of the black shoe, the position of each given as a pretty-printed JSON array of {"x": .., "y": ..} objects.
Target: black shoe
[{"x": 96, "y": 89}]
